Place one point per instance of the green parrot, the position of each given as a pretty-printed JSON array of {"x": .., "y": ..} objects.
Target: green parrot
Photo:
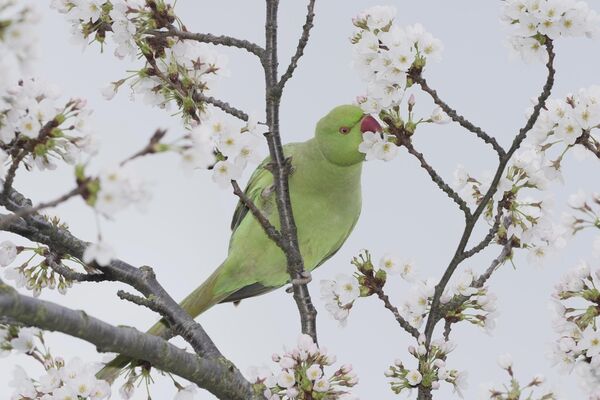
[{"x": 326, "y": 201}]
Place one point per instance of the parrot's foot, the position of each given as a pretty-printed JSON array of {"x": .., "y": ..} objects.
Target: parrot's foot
[{"x": 304, "y": 280}]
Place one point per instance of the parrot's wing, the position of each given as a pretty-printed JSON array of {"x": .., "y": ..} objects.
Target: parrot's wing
[
  {"x": 260, "y": 180},
  {"x": 259, "y": 184},
  {"x": 339, "y": 244},
  {"x": 255, "y": 289}
]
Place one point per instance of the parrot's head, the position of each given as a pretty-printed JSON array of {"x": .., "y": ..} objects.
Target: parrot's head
[{"x": 340, "y": 132}]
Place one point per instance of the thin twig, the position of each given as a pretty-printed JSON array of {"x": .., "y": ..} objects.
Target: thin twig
[
  {"x": 435, "y": 177},
  {"x": 24, "y": 212},
  {"x": 403, "y": 322},
  {"x": 269, "y": 229},
  {"x": 226, "y": 107},
  {"x": 588, "y": 141},
  {"x": 462, "y": 121},
  {"x": 308, "y": 25},
  {"x": 447, "y": 329},
  {"x": 27, "y": 148},
  {"x": 54, "y": 262},
  {"x": 222, "y": 40},
  {"x": 140, "y": 301},
  {"x": 490, "y": 235}
]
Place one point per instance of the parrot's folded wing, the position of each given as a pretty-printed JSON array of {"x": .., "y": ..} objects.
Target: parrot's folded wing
[
  {"x": 259, "y": 184},
  {"x": 261, "y": 179}
]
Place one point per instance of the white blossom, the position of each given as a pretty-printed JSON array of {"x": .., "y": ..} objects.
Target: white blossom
[
  {"x": 414, "y": 377},
  {"x": 8, "y": 253},
  {"x": 101, "y": 253},
  {"x": 187, "y": 393}
]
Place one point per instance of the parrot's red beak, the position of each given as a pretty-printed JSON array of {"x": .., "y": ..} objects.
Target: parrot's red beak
[{"x": 369, "y": 124}]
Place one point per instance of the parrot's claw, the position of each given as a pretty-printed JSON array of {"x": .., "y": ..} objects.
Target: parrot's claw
[{"x": 304, "y": 280}]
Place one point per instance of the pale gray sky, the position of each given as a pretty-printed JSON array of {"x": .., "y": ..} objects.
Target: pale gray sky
[{"x": 184, "y": 233}]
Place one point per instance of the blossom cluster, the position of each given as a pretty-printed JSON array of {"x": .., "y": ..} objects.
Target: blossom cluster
[
  {"x": 587, "y": 215},
  {"x": 384, "y": 53},
  {"x": 35, "y": 120},
  {"x": 432, "y": 369},
  {"x": 61, "y": 380},
  {"x": 17, "y": 42},
  {"x": 468, "y": 301},
  {"x": 224, "y": 147},
  {"x": 530, "y": 223},
  {"x": 516, "y": 390},
  {"x": 35, "y": 273},
  {"x": 303, "y": 376},
  {"x": 140, "y": 376},
  {"x": 176, "y": 71},
  {"x": 340, "y": 294},
  {"x": 531, "y": 21},
  {"x": 577, "y": 308},
  {"x": 115, "y": 189},
  {"x": 568, "y": 123}
]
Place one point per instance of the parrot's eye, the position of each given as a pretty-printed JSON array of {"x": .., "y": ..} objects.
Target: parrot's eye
[{"x": 344, "y": 130}]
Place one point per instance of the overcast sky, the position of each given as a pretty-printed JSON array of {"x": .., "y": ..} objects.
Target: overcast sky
[{"x": 184, "y": 232}]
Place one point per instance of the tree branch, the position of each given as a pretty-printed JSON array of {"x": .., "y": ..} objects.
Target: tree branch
[
  {"x": 406, "y": 142},
  {"x": 224, "y": 106},
  {"x": 460, "y": 254},
  {"x": 27, "y": 148},
  {"x": 218, "y": 376},
  {"x": 589, "y": 142},
  {"x": 378, "y": 290},
  {"x": 24, "y": 212},
  {"x": 462, "y": 121},
  {"x": 61, "y": 241},
  {"x": 213, "y": 39},
  {"x": 73, "y": 275},
  {"x": 308, "y": 25},
  {"x": 280, "y": 170}
]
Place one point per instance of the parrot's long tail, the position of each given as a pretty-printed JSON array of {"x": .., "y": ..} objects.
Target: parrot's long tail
[{"x": 195, "y": 304}]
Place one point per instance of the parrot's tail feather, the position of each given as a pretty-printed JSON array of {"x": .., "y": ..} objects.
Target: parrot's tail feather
[
  {"x": 195, "y": 303},
  {"x": 112, "y": 370}
]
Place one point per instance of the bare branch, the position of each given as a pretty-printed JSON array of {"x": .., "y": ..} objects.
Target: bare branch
[
  {"x": 447, "y": 329},
  {"x": 239, "y": 114},
  {"x": 490, "y": 235},
  {"x": 280, "y": 170},
  {"x": 218, "y": 376},
  {"x": 24, "y": 212},
  {"x": 403, "y": 323},
  {"x": 462, "y": 121},
  {"x": 270, "y": 230},
  {"x": 61, "y": 241},
  {"x": 20, "y": 153},
  {"x": 308, "y": 25},
  {"x": 504, "y": 255},
  {"x": 588, "y": 141},
  {"x": 54, "y": 263},
  {"x": 213, "y": 39},
  {"x": 139, "y": 300},
  {"x": 406, "y": 142}
]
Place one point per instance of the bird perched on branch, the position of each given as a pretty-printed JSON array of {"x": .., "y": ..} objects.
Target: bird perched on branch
[{"x": 325, "y": 193}]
